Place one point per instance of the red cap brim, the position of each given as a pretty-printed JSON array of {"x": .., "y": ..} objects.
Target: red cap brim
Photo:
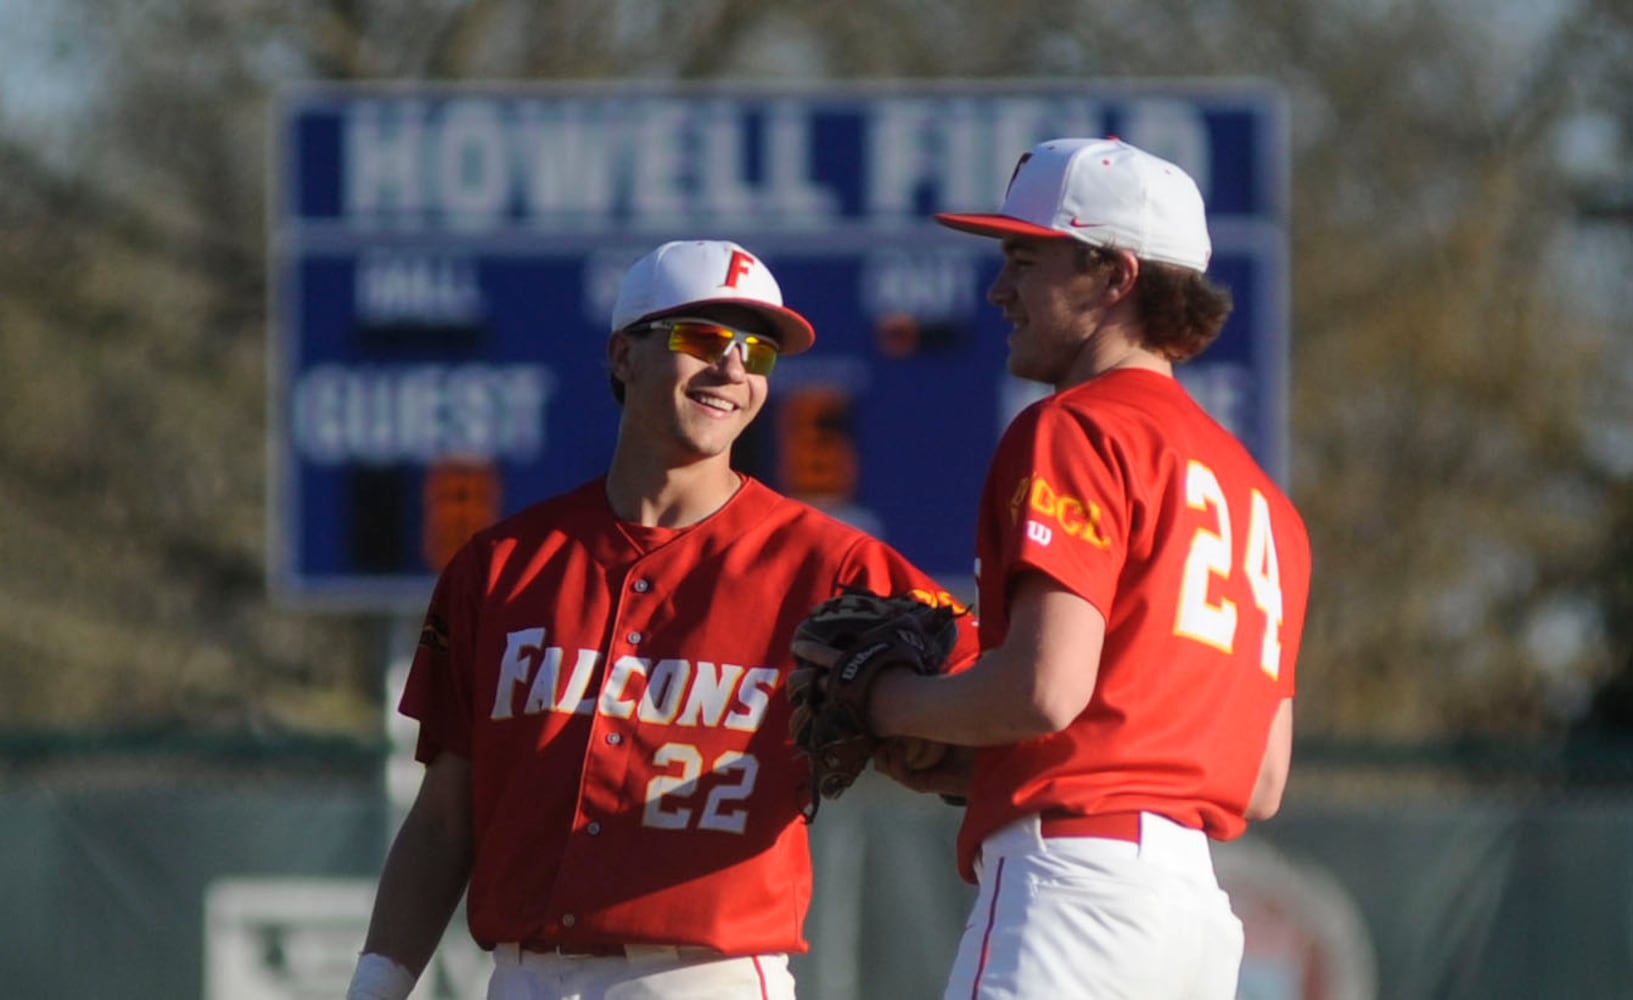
[
  {"x": 987, "y": 224},
  {"x": 795, "y": 335}
]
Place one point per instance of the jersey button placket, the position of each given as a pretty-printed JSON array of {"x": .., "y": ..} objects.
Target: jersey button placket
[
  {"x": 593, "y": 828},
  {"x": 634, "y": 637}
]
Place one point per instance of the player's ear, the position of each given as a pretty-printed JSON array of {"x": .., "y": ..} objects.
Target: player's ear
[
  {"x": 618, "y": 349},
  {"x": 1122, "y": 270},
  {"x": 619, "y": 369}
]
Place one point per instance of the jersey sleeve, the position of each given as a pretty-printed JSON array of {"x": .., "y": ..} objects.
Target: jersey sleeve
[
  {"x": 876, "y": 567},
  {"x": 438, "y": 690},
  {"x": 1066, "y": 511}
]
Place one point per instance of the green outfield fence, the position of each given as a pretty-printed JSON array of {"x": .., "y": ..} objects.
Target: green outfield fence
[
  {"x": 166, "y": 865},
  {"x": 1591, "y": 757}
]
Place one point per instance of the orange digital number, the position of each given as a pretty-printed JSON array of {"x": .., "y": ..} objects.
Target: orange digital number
[
  {"x": 817, "y": 455},
  {"x": 460, "y": 499}
]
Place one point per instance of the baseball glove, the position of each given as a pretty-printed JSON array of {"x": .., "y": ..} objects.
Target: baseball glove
[{"x": 840, "y": 649}]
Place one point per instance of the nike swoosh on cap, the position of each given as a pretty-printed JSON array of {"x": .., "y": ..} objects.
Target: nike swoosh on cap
[{"x": 1080, "y": 224}]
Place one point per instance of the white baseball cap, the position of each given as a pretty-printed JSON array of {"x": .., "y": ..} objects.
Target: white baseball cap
[
  {"x": 1103, "y": 192},
  {"x": 688, "y": 273}
]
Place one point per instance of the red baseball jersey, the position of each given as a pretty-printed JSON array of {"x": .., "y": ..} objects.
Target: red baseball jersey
[
  {"x": 617, "y": 692},
  {"x": 1125, "y": 492}
]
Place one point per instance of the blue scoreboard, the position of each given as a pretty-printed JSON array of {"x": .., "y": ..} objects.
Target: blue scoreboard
[{"x": 444, "y": 261}]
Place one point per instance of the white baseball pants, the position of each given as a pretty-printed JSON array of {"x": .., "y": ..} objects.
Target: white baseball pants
[{"x": 1092, "y": 918}]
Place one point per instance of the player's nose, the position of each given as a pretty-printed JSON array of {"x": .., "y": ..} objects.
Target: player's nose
[
  {"x": 733, "y": 364},
  {"x": 1002, "y": 289}
]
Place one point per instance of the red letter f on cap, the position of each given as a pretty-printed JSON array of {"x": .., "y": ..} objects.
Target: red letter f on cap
[{"x": 741, "y": 264}]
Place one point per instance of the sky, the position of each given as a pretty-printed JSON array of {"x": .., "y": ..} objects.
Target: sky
[{"x": 42, "y": 75}]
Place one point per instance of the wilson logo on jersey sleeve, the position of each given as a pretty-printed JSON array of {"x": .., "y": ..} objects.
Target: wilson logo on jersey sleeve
[{"x": 1052, "y": 511}]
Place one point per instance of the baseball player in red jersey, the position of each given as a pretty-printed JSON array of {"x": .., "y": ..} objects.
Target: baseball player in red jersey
[
  {"x": 607, "y": 760},
  {"x": 1142, "y": 587}
]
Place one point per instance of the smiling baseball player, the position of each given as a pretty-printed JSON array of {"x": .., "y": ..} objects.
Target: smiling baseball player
[
  {"x": 1142, "y": 586},
  {"x": 597, "y": 686}
]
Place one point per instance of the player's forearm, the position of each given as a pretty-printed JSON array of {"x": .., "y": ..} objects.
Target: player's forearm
[
  {"x": 992, "y": 703},
  {"x": 1273, "y": 769},
  {"x": 424, "y": 877}
]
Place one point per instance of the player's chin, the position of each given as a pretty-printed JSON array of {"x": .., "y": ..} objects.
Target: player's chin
[
  {"x": 1023, "y": 365},
  {"x": 711, "y": 437}
]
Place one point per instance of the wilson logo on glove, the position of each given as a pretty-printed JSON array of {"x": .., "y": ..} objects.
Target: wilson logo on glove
[{"x": 847, "y": 673}]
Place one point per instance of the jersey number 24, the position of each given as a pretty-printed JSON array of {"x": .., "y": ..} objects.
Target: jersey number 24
[{"x": 1214, "y": 622}]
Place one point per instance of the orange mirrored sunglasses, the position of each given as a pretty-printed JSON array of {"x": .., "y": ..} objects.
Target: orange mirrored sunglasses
[{"x": 709, "y": 341}]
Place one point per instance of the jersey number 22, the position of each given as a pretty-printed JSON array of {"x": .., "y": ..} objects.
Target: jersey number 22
[{"x": 724, "y": 809}]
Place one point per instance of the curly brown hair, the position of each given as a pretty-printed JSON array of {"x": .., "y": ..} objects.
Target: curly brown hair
[{"x": 1181, "y": 311}]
